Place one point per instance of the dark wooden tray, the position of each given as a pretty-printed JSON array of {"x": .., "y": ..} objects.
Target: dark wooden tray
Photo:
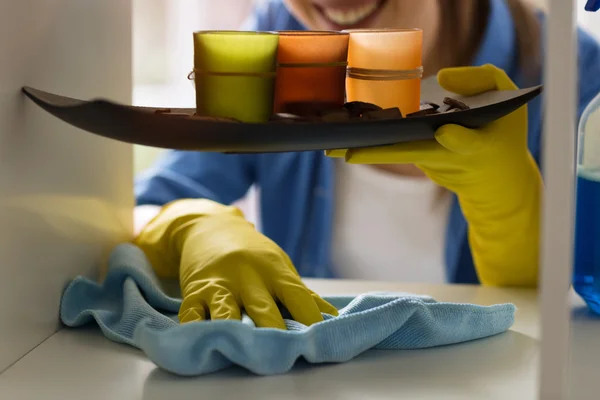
[{"x": 140, "y": 125}]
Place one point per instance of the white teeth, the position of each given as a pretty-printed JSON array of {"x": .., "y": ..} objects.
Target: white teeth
[{"x": 350, "y": 17}]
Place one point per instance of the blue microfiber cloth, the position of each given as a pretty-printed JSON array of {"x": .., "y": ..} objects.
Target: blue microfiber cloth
[{"x": 132, "y": 307}]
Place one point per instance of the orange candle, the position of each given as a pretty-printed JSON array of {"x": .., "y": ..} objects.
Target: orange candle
[
  {"x": 385, "y": 67},
  {"x": 311, "y": 71}
]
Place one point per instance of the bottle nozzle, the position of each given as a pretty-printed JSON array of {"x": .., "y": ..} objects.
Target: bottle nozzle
[{"x": 592, "y": 5}]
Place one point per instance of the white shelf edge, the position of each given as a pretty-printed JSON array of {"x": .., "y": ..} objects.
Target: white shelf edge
[{"x": 558, "y": 158}]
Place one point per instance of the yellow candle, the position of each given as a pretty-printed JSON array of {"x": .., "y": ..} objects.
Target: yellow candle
[{"x": 234, "y": 73}]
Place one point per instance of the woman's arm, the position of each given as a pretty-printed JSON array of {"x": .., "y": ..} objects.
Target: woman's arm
[{"x": 187, "y": 174}]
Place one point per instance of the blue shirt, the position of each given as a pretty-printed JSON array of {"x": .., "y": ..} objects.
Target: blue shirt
[{"x": 297, "y": 189}]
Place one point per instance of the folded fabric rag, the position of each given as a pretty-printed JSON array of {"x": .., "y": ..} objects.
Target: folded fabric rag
[{"x": 131, "y": 306}]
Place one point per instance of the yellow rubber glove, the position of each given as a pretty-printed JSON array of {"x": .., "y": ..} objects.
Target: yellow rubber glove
[
  {"x": 493, "y": 174},
  {"x": 225, "y": 265}
]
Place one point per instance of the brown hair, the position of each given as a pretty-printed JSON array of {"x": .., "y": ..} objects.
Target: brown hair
[
  {"x": 529, "y": 36},
  {"x": 464, "y": 23}
]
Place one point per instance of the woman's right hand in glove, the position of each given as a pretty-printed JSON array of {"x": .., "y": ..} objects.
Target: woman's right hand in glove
[{"x": 225, "y": 266}]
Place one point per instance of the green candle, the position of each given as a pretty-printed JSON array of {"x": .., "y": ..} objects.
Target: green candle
[{"x": 234, "y": 74}]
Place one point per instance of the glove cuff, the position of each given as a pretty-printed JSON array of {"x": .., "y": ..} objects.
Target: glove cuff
[
  {"x": 162, "y": 238},
  {"x": 504, "y": 233}
]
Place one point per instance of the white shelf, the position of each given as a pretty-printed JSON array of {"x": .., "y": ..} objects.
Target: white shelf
[{"x": 82, "y": 364}]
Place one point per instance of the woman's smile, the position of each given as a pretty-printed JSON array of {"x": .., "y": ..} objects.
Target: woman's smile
[
  {"x": 337, "y": 14},
  {"x": 348, "y": 14}
]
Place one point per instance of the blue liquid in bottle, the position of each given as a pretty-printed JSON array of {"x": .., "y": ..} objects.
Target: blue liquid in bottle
[{"x": 586, "y": 279}]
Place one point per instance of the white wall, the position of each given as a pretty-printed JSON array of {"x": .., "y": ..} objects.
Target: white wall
[
  {"x": 150, "y": 61},
  {"x": 65, "y": 195},
  {"x": 162, "y": 34}
]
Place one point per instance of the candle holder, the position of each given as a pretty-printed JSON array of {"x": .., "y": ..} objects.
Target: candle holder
[
  {"x": 385, "y": 67},
  {"x": 234, "y": 74},
  {"x": 311, "y": 71}
]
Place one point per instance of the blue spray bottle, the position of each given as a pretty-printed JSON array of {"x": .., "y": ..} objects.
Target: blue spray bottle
[{"x": 586, "y": 270}]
